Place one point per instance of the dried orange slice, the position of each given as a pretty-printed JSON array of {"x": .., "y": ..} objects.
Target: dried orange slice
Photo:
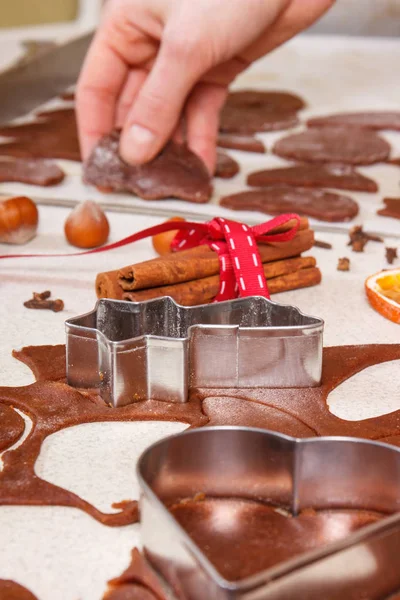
[{"x": 383, "y": 292}]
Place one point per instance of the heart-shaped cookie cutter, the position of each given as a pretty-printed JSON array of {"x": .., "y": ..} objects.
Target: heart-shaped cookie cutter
[
  {"x": 249, "y": 463},
  {"x": 158, "y": 349}
]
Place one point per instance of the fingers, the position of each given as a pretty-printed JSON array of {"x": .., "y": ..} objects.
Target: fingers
[
  {"x": 133, "y": 83},
  {"x": 158, "y": 106},
  {"x": 100, "y": 83},
  {"x": 202, "y": 113},
  {"x": 179, "y": 135}
]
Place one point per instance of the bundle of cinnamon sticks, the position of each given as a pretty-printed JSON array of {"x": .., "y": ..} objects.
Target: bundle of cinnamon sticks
[{"x": 191, "y": 277}]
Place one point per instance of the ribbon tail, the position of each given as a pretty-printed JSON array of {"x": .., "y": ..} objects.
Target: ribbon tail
[{"x": 245, "y": 259}]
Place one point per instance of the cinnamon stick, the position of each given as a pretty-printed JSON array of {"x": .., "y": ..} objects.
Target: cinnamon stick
[
  {"x": 169, "y": 269},
  {"x": 281, "y": 276},
  {"x": 107, "y": 286},
  {"x": 189, "y": 265},
  {"x": 304, "y": 224},
  {"x": 294, "y": 281}
]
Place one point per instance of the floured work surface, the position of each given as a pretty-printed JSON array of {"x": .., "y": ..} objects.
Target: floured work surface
[
  {"x": 360, "y": 79},
  {"x": 68, "y": 553}
]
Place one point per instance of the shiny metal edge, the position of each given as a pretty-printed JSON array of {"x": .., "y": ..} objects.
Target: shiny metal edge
[
  {"x": 95, "y": 360},
  {"x": 291, "y": 565},
  {"x": 315, "y": 323}
]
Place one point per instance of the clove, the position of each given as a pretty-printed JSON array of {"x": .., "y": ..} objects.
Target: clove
[{"x": 41, "y": 301}]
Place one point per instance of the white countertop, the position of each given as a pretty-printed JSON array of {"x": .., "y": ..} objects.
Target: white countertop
[{"x": 63, "y": 553}]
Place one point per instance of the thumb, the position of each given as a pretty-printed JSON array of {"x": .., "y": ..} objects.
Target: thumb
[{"x": 159, "y": 104}]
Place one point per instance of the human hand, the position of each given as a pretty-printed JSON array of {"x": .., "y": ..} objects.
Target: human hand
[{"x": 157, "y": 65}]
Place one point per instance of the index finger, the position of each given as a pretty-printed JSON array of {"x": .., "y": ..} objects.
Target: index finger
[{"x": 102, "y": 77}]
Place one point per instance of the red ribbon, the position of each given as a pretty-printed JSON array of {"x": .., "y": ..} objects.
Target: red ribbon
[{"x": 241, "y": 270}]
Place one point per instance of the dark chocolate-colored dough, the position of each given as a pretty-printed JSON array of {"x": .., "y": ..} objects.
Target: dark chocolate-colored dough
[
  {"x": 12, "y": 426},
  {"x": 225, "y": 410},
  {"x": 277, "y": 199},
  {"x": 31, "y": 171},
  {"x": 334, "y": 145},
  {"x": 52, "y": 135},
  {"x": 52, "y": 406},
  {"x": 138, "y": 573},
  {"x": 391, "y": 209},
  {"x": 175, "y": 172},
  {"x": 308, "y": 406},
  {"x": 247, "y": 143},
  {"x": 9, "y": 590},
  {"x": 375, "y": 120},
  {"x": 129, "y": 591},
  {"x": 249, "y": 111},
  {"x": 343, "y": 177},
  {"x": 227, "y": 167},
  {"x": 253, "y": 537},
  {"x": 47, "y": 363},
  {"x": 275, "y": 101}
]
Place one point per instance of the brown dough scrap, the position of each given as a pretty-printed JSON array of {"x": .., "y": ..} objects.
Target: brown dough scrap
[
  {"x": 343, "y": 177},
  {"x": 176, "y": 172},
  {"x": 375, "y": 120},
  {"x": 391, "y": 209},
  {"x": 334, "y": 145},
  {"x": 47, "y": 363},
  {"x": 225, "y": 410},
  {"x": 246, "y": 143},
  {"x": 131, "y": 591},
  {"x": 138, "y": 576},
  {"x": 227, "y": 167},
  {"x": 9, "y": 590},
  {"x": 257, "y": 537},
  {"x": 273, "y": 200},
  {"x": 310, "y": 405},
  {"x": 30, "y": 171},
  {"x": 249, "y": 111},
  {"x": 52, "y": 135},
  {"x": 12, "y": 426},
  {"x": 53, "y": 406}
]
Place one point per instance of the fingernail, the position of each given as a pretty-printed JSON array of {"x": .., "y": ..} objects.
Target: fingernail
[{"x": 137, "y": 144}]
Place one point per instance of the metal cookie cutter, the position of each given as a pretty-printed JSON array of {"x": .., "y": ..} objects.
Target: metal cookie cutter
[
  {"x": 249, "y": 463},
  {"x": 158, "y": 349}
]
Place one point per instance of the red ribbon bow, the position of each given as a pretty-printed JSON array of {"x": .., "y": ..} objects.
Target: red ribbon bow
[{"x": 241, "y": 270}]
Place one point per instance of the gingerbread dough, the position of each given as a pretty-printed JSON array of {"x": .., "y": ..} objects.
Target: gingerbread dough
[
  {"x": 273, "y": 200},
  {"x": 334, "y": 144},
  {"x": 332, "y": 175},
  {"x": 176, "y": 172}
]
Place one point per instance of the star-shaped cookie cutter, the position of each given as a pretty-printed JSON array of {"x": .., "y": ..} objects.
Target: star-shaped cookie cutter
[{"x": 157, "y": 349}]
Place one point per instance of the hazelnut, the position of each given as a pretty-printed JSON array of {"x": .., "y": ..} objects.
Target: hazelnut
[
  {"x": 87, "y": 226},
  {"x": 18, "y": 220},
  {"x": 162, "y": 241}
]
